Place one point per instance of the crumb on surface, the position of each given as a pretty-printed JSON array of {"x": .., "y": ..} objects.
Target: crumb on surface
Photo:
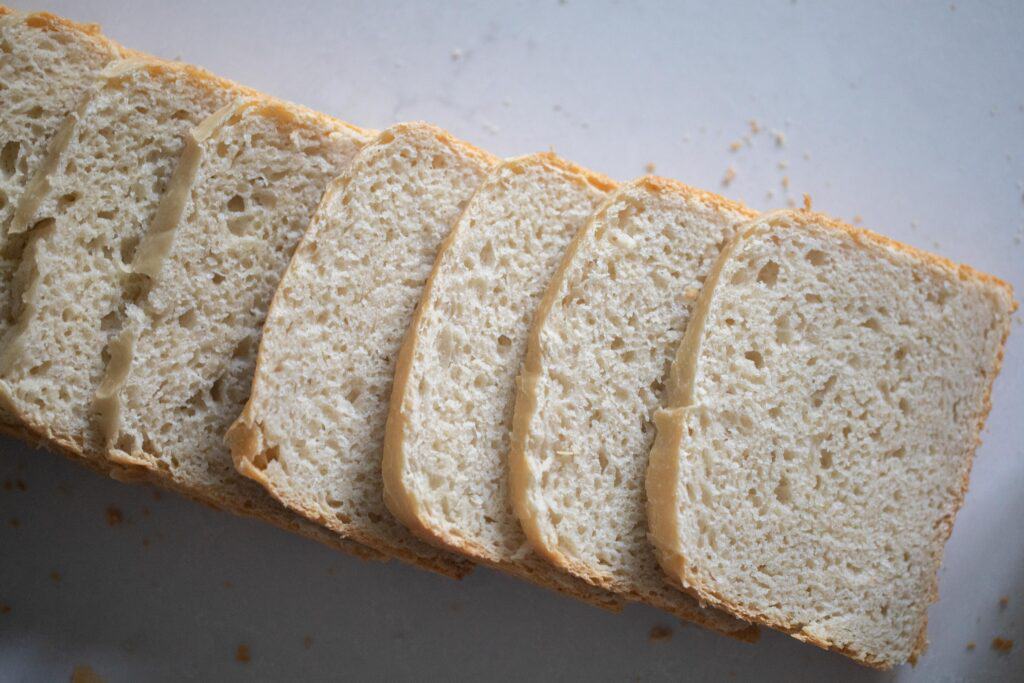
[
  {"x": 83, "y": 673},
  {"x": 785, "y": 182},
  {"x": 114, "y": 516},
  {"x": 650, "y": 167},
  {"x": 15, "y": 522},
  {"x": 735, "y": 145},
  {"x": 660, "y": 634},
  {"x": 970, "y": 646},
  {"x": 755, "y": 126},
  {"x": 779, "y": 137},
  {"x": 730, "y": 175},
  {"x": 228, "y": 584},
  {"x": 857, "y": 220},
  {"x": 1002, "y": 645},
  {"x": 790, "y": 202},
  {"x": 807, "y": 156},
  {"x": 5, "y": 608},
  {"x": 456, "y": 54},
  {"x": 8, "y": 485},
  {"x": 307, "y": 642},
  {"x": 55, "y": 576},
  {"x": 808, "y": 203},
  {"x": 242, "y": 654},
  {"x": 20, "y": 485},
  {"x": 1004, "y": 601},
  {"x": 145, "y": 542}
]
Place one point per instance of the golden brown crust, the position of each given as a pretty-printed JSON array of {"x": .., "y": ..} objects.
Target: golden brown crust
[
  {"x": 526, "y": 407},
  {"x": 680, "y": 397}
]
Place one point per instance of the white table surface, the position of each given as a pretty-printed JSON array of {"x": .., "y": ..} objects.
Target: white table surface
[{"x": 907, "y": 114}]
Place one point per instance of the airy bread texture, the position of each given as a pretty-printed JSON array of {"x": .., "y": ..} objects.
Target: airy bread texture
[
  {"x": 87, "y": 208},
  {"x": 447, "y": 436},
  {"x": 818, "y": 430},
  {"x": 46, "y": 65},
  {"x": 313, "y": 430},
  {"x": 598, "y": 352},
  {"x": 179, "y": 371}
]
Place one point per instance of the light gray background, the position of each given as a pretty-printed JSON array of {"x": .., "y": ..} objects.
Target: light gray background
[{"x": 908, "y": 114}]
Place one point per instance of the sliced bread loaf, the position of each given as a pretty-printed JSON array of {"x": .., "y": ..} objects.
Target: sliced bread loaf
[
  {"x": 313, "y": 430},
  {"x": 87, "y": 208},
  {"x": 447, "y": 436},
  {"x": 46, "y": 65},
  {"x": 598, "y": 352},
  {"x": 179, "y": 370},
  {"x": 819, "y": 424}
]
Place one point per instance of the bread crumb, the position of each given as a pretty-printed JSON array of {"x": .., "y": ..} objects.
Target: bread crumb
[
  {"x": 114, "y": 516},
  {"x": 650, "y": 167},
  {"x": 242, "y": 654},
  {"x": 857, "y": 220},
  {"x": 730, "y": 175},
  {"x": 15, "y": 522},
  {"x": 456, "y": 54},
  {"x": 755, "y": 126},
  {"x": 227, "y": 584},
  {"x": 807, "y": 202},
  {"x": 783, "y": 165},
  {"x": 83, "y": 673},
  {"x": 307, "y": 642},
  {"x": 145, "y": 543},
  {"x": 735, "y": 145},
  {"x": 145, "y": 511},
  {"x": 20, "y": 485},
  {"x": 8, "y": 485},
  {"x": 1004, "y": 601},
  {"x": 5, "y": 608},
  {"x": 660, "y": 634},
  {"x": 55, "y": 576},
  {"x": 785, "y": 182},
  {"x": 1002, "y": 645},
  {"x": 779, "y": 137},
  {"x": 790, "y": 202},
  {"x": 971, "y": 646}
]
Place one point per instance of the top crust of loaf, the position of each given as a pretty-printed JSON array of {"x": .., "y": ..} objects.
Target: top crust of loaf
[
  {"x": 527, "y": 480},
  {"x": 263, "y": 452},
  {"x": 665, "y": 489},
  {"x": 405, "y": 451}
]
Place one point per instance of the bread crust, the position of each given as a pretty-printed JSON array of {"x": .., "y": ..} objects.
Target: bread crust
[
  {"x": 250, "y": 448},
  {"x": 664, "y": 466},
  {"x": 520, "y": 477},
  {"x": 396, "y": 496}
]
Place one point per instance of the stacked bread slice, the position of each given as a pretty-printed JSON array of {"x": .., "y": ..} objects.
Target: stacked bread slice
[
  {"x": 47, "y": 65},
  {"x": 642, "y": 392}
]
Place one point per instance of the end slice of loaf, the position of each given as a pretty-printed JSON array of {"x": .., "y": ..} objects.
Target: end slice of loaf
[
  {"x": 597, "y": 355},
  {"x": 818, "y": 430},
  {"x": 179, "y": 370},
  {"x": 447, "y": 437},
  {"x": 312, "y": 431},
  {"x": 48, "y": 63},
  {"x": 85, "y": 212}
]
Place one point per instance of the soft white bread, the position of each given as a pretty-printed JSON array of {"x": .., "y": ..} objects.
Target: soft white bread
[
  {"x": 179, "y": 371},
  {"x": 313, "y": 430},
  {"x": 600, "y": 347},
  {"x": 87, "y": 208},
  {"x": 447, "y": 436},
  {"x": 819, "y": 424},
  {"x": 46, "y": 66}
]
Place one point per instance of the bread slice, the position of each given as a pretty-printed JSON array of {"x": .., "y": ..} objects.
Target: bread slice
[
  {"x": 597, "y": 354},
  {"x": 819, "y": 424},
  {"x": 313, "y": 430},
  {"x": 47, "y": 64},
  {"x": 447, "y": 436},
  {"x": 179, "y": 371},
  {"x": 87, "y": 209}
]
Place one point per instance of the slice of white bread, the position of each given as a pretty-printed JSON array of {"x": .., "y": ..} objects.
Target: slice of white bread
[
  {"x": 87, "y": 208},
  {"x": 179, "y": 371},
  {"x": 313, "y": 430},
  {"x": 598, "y": 352},
  {"x": 46, "y": 65},
  {"x": 447, "y": 435},
  {"x": 819, "y": 425}
]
